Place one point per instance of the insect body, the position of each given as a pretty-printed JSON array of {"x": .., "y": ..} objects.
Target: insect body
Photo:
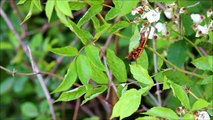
[{"x": 136, "y": 52}]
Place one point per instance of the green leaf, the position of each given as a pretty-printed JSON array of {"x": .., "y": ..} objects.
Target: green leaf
[
  {"x": 134, "y": 40},
  {"x": 37, "y": 4},
  {"x": 207, "y": 80},
  {"x": 181, "y": 94},
  {"x": 49, "y": 8},
  {"x": 127, "y": 104},
  {"x": 96, "y": 22},
  {"x": 141, "y": 74},
  {"x": 179, "y": 78},
  {"x": 69, "y": 79},
  {"x": 188, "y": 117},
  {"x": 179, "y": 49},
  {"x": 101, "y": 30},
  {"x": 29, "y": 14},
  {"x": 77, "y": 5},
  {"x": 199, "y": 104},
  {"x": 98, "y": 76},
  {"x": 117, "y": 66},
  {"x": 6, "y": 85},
  {"x": 72, "y": 94},
  {"x": 21, "y": 2},
  {"x": 91, "y": 12},
  {"x": 147, "y": 118},
  {"x": 162, "y": 112},
  {"x": 121, "y": 89},
  {"x": 122, "y": 7},
  {"x": 164, "y": 1},
  {"x": 159, "y": 63},
  {"x": 165, "y": 83},
  {"x": 204, "y": 63},
  {"x": 83, "y": 69},
  {"x": 187, "y": 24},
  {"x": 113, "y": 12},
  {"x": 61, "y": 16},
  {"x": 118, "y": 26},
  {"x": 65, "y": 51},
  {"x": 91, "y": 94},
  {"x": 84, "y": 36},
  {"x": 6, "y": 46},
  {"x": 64, "y": 7},
  {"x": 93, "y": 54},
  {"x": 29, "y": 109},
  {"x": 143, "y": 60}
]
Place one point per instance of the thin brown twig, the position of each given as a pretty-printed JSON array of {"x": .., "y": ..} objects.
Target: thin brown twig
[
  {"x": 30, "y": 74},
  {"x": 23, "y": 26},
  {"x": 77, "y": 105},
  {"x": 173, "y": 66},
  {"x": 34, "y": 65}
]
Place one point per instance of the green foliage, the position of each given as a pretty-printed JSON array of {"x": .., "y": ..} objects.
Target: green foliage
[
  {"x": 125, "y": 106},
  {"x": 117, "y": 66},
  {"x": 162, "y": 112}
]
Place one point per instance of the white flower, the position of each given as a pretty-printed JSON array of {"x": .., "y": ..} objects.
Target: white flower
[
  {"x": 161, "y": 28},
  {"x": 201, "y": 30},
  {"x": 182, "y": 10},
  {"x": 152, "y": 16},
  {"x": 209, "y": 12},
  {"x": 151, "y": 33},
  {"x": 203, "y": 115},
  {"x": 134, "y": 11},
  {"x": 168, "y": 13},
  {"x": 210, "y": 27},
  {"x": 196, "y": 18}
]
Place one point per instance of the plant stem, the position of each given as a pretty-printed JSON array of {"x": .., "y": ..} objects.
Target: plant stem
[{"x": 172, "y": 65}]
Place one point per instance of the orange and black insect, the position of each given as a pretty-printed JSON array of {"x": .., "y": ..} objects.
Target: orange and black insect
[{"x": 136, "y": 52}]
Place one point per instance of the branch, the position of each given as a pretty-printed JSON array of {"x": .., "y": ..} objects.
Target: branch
[
  {"x": 34, "y": 65},
  {"x": 158, "y": 91},
  {"x": 30, "y": 74},
  {"x": 172, "y": 65}
]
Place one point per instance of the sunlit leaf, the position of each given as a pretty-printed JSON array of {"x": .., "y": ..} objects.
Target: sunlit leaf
[
  {"x": 37, "y": 4},
  {"x": 64, "y": 7},
  {"x": 72, "y": 94},
  {"x": 93, "y": 54},
  {"x": 91, "y": 12},
  {"x": 85, "y": 36},
  {"x": 125, "y": 105},
  {"x": 188, "y": 117},
  {"x": 204, "y": 63},
  {"x": 162, "y": 112},
  {"x": 49, "y": 8},
  {"x": 83, "y": 69},
  {"x": 117, "y": 66},
  {"x": 65, "y": 51},
  {"x": 98, "y": 75},
  {"x": 21, "y": 2},
  {"x": 91, "y": 94},
  {"x": 101, "y": 30},
  {"x": 141, "y": 74},
  {"x": 147, "y": 118},
  {"x": 199, "y": 104},
  {"x": 118, "y": 26},
  {"x": 181, "y": 94},
  {"x": 69, "y": 79}
]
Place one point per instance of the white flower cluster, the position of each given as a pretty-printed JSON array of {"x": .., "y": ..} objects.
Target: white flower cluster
[
  {"x": 197, "y": 19},
  {"x": 152, "y": 16}
]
